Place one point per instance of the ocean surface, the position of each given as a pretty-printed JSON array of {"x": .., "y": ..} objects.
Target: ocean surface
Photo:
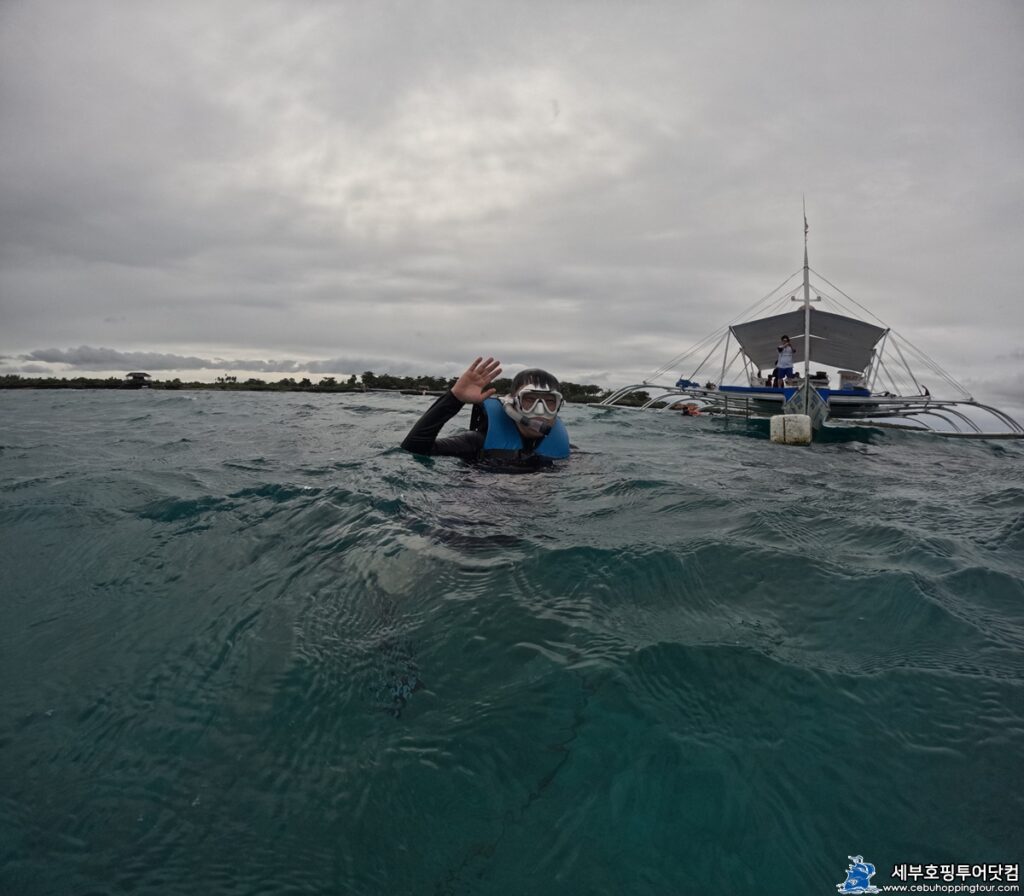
[{"x": 249, "y": 646}]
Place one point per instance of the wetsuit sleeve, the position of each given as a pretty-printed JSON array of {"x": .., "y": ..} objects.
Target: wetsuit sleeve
[{"x": 422, "y": 438}]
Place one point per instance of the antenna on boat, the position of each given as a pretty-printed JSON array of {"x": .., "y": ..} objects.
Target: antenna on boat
[
  {"x": 806, "y": 229},
  {"x": 807, "y": 302},
  {"x": 807, "y": 316}
]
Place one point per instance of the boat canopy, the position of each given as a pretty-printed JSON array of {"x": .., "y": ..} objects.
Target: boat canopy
[{"x": 836, "y": 340}]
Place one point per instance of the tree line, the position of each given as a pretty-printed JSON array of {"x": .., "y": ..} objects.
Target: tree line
[{"x": 367, "y": 381}]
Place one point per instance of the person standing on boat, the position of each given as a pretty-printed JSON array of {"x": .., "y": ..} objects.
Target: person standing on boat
[
  {"x": 784, "y": 366},
  {"x": 521, "y": 432}
]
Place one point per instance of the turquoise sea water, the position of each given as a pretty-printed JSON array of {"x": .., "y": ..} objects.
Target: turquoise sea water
[{"x": 249, "y": 646}]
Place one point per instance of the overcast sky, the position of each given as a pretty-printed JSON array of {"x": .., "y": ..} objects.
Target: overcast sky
[{"x": 331, "y": 187}]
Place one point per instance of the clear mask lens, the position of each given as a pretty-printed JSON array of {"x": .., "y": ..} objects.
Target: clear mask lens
[{"x": 543, "y": 403}]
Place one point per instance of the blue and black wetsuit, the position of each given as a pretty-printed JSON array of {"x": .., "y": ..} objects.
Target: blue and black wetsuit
[{"x": 495, "y": 439}]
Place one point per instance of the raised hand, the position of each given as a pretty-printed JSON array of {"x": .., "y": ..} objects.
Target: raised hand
[{"x": 471, "y": 387}]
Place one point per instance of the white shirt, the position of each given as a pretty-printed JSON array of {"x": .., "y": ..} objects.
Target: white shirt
[{"x": 785, "y": 356}]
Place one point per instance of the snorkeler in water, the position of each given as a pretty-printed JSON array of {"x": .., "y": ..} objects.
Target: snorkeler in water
[{"x": 522, "y": 431}]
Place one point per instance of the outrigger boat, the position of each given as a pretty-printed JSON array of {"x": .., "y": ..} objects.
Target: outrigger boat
[{"x": 861, "y": 369}]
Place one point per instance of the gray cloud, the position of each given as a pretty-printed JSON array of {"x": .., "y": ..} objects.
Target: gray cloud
[
  {"x": 86, "y": 357},
  {"x": 588, "y": 189}
]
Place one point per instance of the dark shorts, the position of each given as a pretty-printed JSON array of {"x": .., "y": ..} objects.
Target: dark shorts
[{"x": 783, "y": 373}]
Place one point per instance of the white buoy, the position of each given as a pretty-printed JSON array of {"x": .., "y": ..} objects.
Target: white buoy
[{"x": 791, "y": 429}]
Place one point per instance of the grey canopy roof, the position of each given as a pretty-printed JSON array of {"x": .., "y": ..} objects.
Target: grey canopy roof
[{"x": 836, "y": 340}]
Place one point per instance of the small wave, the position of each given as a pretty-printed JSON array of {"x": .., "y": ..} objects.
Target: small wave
[
  {"x": 1008, "y": 538},
  {"x": 251, "y": 465},
  {"x": 171, "y": 510},
  {"x": 1004, "y": 498},
  {"x": 176, "y": 399},
  {"x": 277, "y": 492}
]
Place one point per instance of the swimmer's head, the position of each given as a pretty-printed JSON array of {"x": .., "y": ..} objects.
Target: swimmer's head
[{"x": 534, "y": 402}]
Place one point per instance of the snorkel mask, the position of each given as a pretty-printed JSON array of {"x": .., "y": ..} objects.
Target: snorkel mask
[{"x": 534, "y": 407}]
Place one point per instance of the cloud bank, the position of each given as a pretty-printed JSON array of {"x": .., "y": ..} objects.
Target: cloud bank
[
  {"x": 585, "y": 188},
  {"x": 107, "y": 359}
]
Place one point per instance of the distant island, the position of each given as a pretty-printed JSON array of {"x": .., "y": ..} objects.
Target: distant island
[{"x": 366, "y": 382}]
